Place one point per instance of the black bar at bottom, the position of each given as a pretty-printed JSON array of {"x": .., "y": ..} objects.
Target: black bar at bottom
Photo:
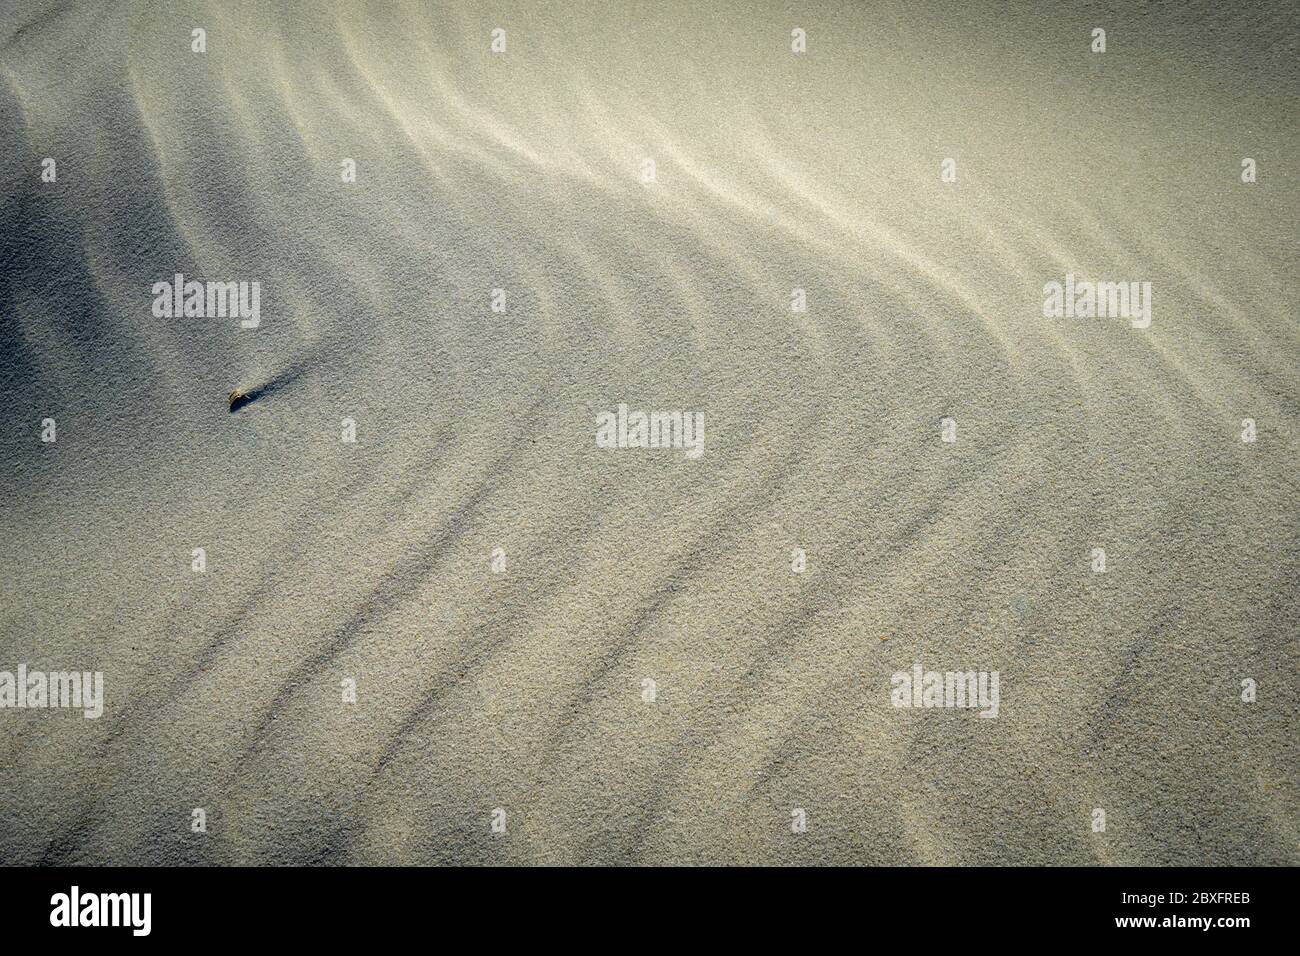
[{"x": 335, "y": 905}]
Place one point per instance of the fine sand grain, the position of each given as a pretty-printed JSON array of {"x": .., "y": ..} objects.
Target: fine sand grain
[{"x": 524, "y": 691}]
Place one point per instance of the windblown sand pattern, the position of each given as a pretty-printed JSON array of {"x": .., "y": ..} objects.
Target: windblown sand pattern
[{"x": 523, "y": 690}]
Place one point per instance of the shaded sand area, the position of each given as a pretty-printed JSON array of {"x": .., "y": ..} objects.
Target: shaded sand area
[{"x": 523, "y": 689}]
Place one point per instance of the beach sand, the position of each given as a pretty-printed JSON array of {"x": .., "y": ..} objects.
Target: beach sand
[{"x": 499, "y": 588}]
